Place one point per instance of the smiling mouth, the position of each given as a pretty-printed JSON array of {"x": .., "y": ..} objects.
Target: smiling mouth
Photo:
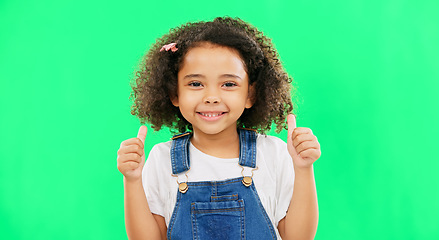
[{"x": 211, "y": 114}]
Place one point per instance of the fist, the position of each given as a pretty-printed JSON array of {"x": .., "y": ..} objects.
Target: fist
[
  {"x": 131, "y": 156},
  {"x": 302, "y": 144}
]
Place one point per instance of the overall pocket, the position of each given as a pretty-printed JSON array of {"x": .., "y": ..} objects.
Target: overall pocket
[{"x": 218, "y": 220}]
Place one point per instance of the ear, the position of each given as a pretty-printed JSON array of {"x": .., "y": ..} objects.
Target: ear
[
  {"x": 174, "y": 101},
  {"x": 251, "y": 98}
]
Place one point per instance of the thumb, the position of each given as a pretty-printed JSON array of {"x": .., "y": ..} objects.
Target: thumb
[
  {"x": 142, "y": 133},
  {"x": 291, "y": 122}
]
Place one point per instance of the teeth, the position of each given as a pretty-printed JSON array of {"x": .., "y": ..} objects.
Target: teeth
[{"x": 210, "y": 114}]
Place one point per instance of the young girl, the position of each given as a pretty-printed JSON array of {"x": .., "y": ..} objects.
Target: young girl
[{"x": 217, "y": 83}]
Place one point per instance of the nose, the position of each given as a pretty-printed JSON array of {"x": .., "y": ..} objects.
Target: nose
[{"x": 212, "y": 97}]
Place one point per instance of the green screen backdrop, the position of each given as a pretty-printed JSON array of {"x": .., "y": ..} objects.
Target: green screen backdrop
[{"x": 367, "y": 77}]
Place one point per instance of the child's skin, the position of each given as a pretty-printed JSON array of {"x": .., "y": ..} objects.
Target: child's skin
[{"x": 213, "y": 91}]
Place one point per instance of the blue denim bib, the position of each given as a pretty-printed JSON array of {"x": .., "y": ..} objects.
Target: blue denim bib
[{"x": 218, "y": 209}]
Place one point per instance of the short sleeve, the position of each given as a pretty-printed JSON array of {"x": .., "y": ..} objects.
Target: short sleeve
[
  {"x": 284, "y": 181},
  {"x": 150, "y": 181}
]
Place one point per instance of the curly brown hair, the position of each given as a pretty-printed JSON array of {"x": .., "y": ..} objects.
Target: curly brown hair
[{"x": 155, "y": 83}]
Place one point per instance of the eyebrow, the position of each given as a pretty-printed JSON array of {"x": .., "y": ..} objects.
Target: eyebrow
[{"x": 227, "y": 75}]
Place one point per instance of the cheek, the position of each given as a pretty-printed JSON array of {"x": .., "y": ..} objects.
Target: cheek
[
  {"x": 240, "y": 97},
  {"x": 187, "y": 98},
  {"x": 187, "y": 102}
]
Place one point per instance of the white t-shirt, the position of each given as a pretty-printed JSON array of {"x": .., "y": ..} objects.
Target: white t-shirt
[{"x": 273, "y": 179}]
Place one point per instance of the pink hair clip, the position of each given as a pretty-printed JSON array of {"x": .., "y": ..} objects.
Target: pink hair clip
[{"x": 168, "y": 47}]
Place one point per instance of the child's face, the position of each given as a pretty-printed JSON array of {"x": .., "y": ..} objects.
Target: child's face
[{"x": 213, "y": 89}]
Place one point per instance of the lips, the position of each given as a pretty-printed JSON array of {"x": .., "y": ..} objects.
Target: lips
[{"x": 211, "y": 116}]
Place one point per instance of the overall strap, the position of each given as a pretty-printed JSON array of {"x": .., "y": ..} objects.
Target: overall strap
[
  {"x": 247, "y": 145},
  {"x": 180, "y": 152}
]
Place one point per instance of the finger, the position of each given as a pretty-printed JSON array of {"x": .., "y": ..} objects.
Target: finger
[
  {"x": 133, "y": 148},
  {"x": 302, "y": 138},
  {"x": 132, "y": 141},
  {"x": 127, "y": 166},
  {"x": 302, "y": 130},
  {"x": 142, "y": 133},
  {"x": 291, "y": 123},
  {"x": 306, "y": 145},
  {"x": 311, "y": 153},
  {"x": 129, "y": 157}
]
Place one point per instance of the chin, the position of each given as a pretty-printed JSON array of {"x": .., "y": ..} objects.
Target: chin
[
  {"x": 210, "y": 131},
  {"x": 213, "y": 130}
]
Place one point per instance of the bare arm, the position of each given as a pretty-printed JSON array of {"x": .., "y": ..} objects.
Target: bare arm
[
  {"x": 302, "y": 216},
  {"x": 140, "y": 223}
]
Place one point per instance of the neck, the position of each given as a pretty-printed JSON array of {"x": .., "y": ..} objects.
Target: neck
[{"x": 222, "y": 145}]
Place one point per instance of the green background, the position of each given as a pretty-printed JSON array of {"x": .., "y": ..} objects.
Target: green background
[{"x": 367, "y": 73}]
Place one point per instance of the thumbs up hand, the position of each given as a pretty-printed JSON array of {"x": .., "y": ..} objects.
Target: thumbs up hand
[
  {"x": 131, "y": 156},
  {"x": 302, "y": 144}
]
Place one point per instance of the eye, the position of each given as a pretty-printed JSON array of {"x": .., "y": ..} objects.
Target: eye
[
  {"x": 229, "y": 84},
  {"x": 194, "y": 84}
]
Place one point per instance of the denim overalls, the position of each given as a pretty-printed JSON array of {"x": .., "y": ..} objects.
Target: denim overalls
[{"x": 219, "y": 209}]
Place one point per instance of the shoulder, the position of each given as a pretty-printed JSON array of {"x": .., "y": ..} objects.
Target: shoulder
[
  {"x": 271, "y": 142},
  {"x": 273, "y": 151},
  {"x": 161, "y": 148},
  {"x": 159, "y": 156}
]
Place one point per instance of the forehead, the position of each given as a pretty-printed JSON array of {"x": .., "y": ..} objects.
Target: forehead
[{"x": 210, "y": 57}]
